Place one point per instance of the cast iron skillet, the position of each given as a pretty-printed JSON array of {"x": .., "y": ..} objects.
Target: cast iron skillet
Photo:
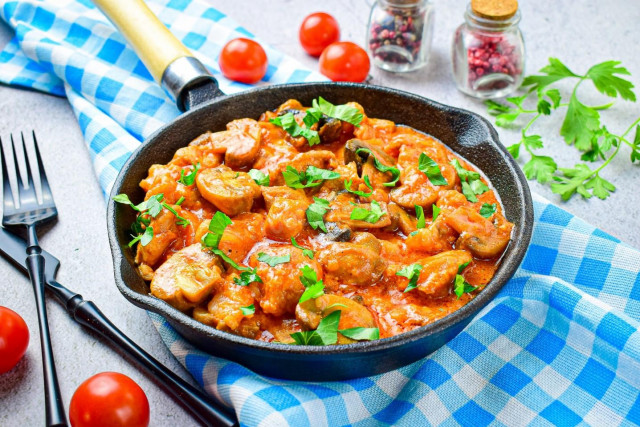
[{"x": 466, "y": 133}]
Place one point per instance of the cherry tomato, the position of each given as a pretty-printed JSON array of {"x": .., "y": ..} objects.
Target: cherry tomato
[
  {"x": 344, "y": 62},
  {"x": 109, "y": 399},
  {"x": 318, "y": 31},
  {"x": 243, "y": 60},
  {"x": 14, "y": 339}
]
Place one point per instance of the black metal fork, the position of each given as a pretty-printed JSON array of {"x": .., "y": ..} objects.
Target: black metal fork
[{"x": 31, "y": 205}]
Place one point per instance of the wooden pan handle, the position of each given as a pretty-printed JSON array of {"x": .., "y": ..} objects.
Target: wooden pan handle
[{"x": 152, "y": 41}]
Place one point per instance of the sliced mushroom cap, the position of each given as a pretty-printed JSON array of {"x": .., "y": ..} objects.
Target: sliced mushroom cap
[
  {"x": 357, "y": 262},
  {"x": 231, "y": 192},
  {"x": 329, "y": 129},
  {"x": 351, "y": 154},
  {"x": 352, "y": 314}
]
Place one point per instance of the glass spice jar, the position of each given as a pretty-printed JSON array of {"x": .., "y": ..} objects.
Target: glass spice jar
[
  {"x": 399, "y": 34},
  {"x": 488, "y": 49}
]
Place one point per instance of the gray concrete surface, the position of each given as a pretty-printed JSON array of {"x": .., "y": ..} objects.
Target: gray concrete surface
[{"x": 580, "y": 33}]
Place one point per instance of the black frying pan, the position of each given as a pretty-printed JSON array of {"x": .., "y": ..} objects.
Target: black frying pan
[{"x": 207, "y": 109}]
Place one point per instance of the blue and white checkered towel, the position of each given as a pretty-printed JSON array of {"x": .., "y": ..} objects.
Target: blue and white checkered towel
[{"x": 559, "y": 345}]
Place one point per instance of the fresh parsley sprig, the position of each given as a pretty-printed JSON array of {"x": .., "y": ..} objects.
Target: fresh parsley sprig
[
  {"x": 581, "y": 127},
  {"x": 188, "y": 180},
  {"x": 411, "y": 272},
  {"x": 430, "y": 168},
  {"x": 348, "y": 183},
  {"x": 313, "y": 287},
  {"x": 472, "y": 185},
  {"x": 371, "y": 215},
  {"x": 316, "y": 212},
  {"x": 259, "y": 177},
  {"x": 290, "y": 125},
  {"x": 306, "y": 252},
  {"x": 327, "y": 332},
  {"x": 395, "y": 172}
]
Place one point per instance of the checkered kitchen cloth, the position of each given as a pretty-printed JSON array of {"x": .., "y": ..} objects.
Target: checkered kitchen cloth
[{"x": 559, "y": 345}]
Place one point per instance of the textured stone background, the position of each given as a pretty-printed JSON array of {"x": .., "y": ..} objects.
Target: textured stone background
[{"x": 579, "y": 33}]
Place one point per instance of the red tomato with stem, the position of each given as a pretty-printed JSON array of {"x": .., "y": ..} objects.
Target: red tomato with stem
[
  {"x": 345, "y": 62},
  {"x": 318, "y": 31},
  {"x": 109, "y": 399},
  {"x": 243, "y": 60},
  {"x": 14, "y": 339}
]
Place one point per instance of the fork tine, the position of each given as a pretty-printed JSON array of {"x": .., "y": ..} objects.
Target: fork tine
[
  {"x": 21, "y": 162},
  {"x": 46, "y": 194},
  {"x": 9, "y": 172},
  {"x": 35, "y": 166}
]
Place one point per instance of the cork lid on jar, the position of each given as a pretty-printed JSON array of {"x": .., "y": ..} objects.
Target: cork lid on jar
[{"x": 495, "y": 9}]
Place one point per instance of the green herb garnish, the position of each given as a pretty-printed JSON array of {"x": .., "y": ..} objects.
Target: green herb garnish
[
  {"x": 314, "y": 287},
  {"x": 248, "y": 310},
  {"x": 325, "y": 334},
  {"x": 188, "y": 180},
  {"x": 180, "y": 200},
  {"x": 290, "y": 125},
  {"x": 361, "y": 334},
  {"x": 436, "y": 211},
  {"x": 348, "y": 183},
  {"x": 152, "y": 207},
  {"x": 180, "y": 220},
  {"x": 461, "y": 286},
  {"x": 582, "y": 127},
  {"x": 371, "y": 216},
  {"x": 461, "y": 267},
  {"x": 395, "y": 172},
  {"x": 273, "y": 260},
  {"x": 431, "y": 169},
  {"x": 420, "y": 216},
  {"x": 247, "y": 277},
  {"x": 472, "y": 185},
  {"x": 306, "y": 252},
  {"x": 312, "y": 177},
  {"x": 411, "y": 272},
  {"x": 316, "y": 212},
  {"x": 344, "y": 112},
  {"x": 143, "y": 238},
  {"x": 488, "y": 209},
  {"x": 218, "y": 224},
  {"x": 259, "y": 177}
]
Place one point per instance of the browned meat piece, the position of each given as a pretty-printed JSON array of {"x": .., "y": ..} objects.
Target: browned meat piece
[
  {"x": 479, "y": 235},
  {"x": 439, "y": 272},
  {"x": 165, "y": 232},
  {"x": 270, "y": 194},
  {"x": 437, "y": 237},
  {"x": 286, "y": 218}
]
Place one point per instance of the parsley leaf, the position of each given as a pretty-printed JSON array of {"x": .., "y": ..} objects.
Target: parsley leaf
[
  {"x": 472, "y": 185},
  {"x": 312, "y": 177},
  {"x": 290, "y": 125},
  {"x": 344, "y": 112},
  {"x": 431, "y": 169},
  {"x": 604, "y": 78},
  {"x": 579, "y": 124},
  {"x": 306, "y": 252},
  {"x": 635, "y": 153},
  {"x": 181, "y": 220},
  {"x": 420, "y": 216},
  {"x": 273, "y": 260},
  {"x": 180, "y": 200},
  {"x": 411, "y": 272},
  {"x": 218, "y": 224},
  {"x": 436, "y": 212},
  {"x": 371, "y": 215},
  {"x": 395, "y": 172},
  {"x": 248, "y": 310},
  {"x": 308, "y": 277},
  {"x": 488, "y": 209},
  {"x": 347, "y": 186},
  {"x": 540, "y": 168},
  {"x": 316, "y": 212},
  {"x": 259, "y": 177},
  {"x": 461, "y": 286},
  {"x": 361, "y": 334},
  {"x": 247, "y": 277},
  {"x": 325, "y": 334},
  {"x": 314, "y": 287},
  {"x": 188, "y": 180},
  {"x": 461, "y": 267},
  {"x": 553, "y": 72},
  {"x": 143, "y": 238}
]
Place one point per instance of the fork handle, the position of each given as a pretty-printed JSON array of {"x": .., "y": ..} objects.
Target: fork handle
[
  {"x": 55, "y": 414},
  {"x": 88, "y": 314}
]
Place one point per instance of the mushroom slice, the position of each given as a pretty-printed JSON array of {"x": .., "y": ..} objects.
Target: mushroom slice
[{"x": 231, "y": 192}]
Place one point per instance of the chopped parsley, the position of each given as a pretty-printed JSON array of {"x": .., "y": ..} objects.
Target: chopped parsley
[
  {"x": 371, "y": 216},
  {"x": 431, "y": 169},
  {"x": 312, "y": 177},
  {"x": 143, "y": 238},
  {"x": 343, "y": 112},
  {"x": 191, "y": 178},
  {"x": 327, "y": 332},
  {"x": 411, "y": 272},
  {"x": 436, "y": 212},
  {"x": 316, "y": 212},
  {"x": 347, "y": 186},
  {"x": 314, "y": 287},
  {"x": 488, "y": 209},
  {"x": 180, "y": 200},
  {"x": 461, "y": 286},
  {"x": 306, "y": 252},
  {"x": 259, "y": 177},
  {"x": 247, "y": 277},
  {"x": 472, "y": 185},
  {"x": 395, "y": 172},
  {"x": 420, "y": 216},
  {"x": 360, "y": 333},
  {"x": 181, "y": 220},
  {"x": 248, "y": 310},
  {"x": 273, "y": 260},
  {"x": 290, "y": 125},
  {"x": 461, "y": 267}
]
